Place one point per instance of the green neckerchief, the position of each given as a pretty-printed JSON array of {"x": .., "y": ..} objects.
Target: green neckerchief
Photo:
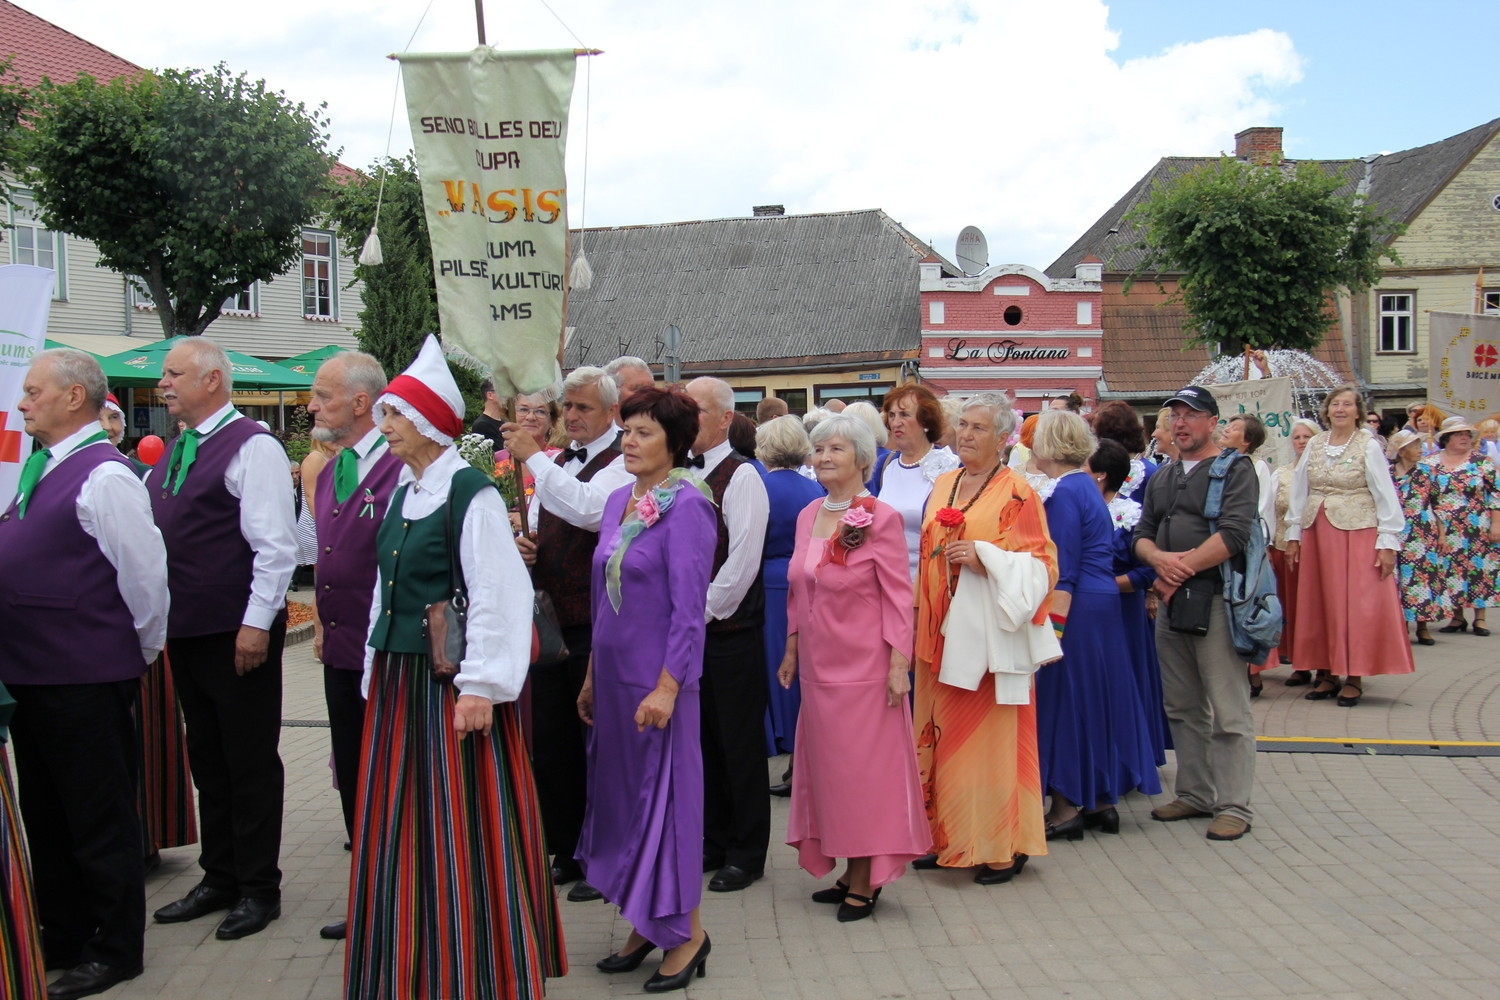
[
  {"x": 346, "y": 471},
  {"x": 186, "y": 450},
  {"x": 31, "y": 472}
]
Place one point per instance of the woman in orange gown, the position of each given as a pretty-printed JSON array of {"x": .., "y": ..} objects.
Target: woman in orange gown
[{"x": 978, "y": 760}]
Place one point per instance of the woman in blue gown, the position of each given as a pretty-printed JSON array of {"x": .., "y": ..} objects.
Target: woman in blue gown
[{"x": 1091, "y": 729}]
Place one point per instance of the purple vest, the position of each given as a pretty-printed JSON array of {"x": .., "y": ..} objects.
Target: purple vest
[
  {"x": 751, "y": 612},
  {"x": 209, "y": 563},
  {"x": 62, "y": 619},
  {"x": 346, "y": 559}
]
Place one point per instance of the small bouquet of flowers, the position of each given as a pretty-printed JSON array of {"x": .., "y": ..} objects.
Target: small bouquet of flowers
[{"x": 479, "y": 451}]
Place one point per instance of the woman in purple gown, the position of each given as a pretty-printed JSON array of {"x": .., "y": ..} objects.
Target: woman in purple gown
[{"x": 642, "y": 839}]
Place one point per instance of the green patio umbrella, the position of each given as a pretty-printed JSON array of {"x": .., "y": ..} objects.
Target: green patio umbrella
[
  {"x": 309, "y": 362},
  {"x": 142, "y": 366}
]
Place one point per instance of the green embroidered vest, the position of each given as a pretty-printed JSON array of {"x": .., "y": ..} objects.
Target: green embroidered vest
[{"x": 413, "y": 559}]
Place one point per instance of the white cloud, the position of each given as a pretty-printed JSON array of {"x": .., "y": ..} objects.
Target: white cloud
[{"x": 1008, "y": 114}]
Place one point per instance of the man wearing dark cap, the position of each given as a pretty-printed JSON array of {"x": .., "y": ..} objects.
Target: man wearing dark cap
[{"x": 1204, "y": 692}]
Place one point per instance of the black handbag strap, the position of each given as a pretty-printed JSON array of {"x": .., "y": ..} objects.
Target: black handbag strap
[{"x": 464, "y": 489}]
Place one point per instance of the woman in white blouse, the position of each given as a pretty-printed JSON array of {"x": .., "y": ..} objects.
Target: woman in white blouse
[
  {"x": 1344, "y": 526},
  {"x": 903, "y": 479}
]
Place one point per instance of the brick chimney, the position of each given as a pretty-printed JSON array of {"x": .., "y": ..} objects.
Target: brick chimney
[
  {"x": 1260, "y": 145},
  {"x": 765, "y": 211}
]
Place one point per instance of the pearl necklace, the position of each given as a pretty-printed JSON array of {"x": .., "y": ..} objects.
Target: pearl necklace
[
  {"x": 653, "y": 489},
  {"x": 844, "y": 505}
]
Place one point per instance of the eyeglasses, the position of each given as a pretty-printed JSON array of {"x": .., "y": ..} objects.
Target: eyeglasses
[
  {"x": 1175, "y": 417},
  {"x": 531, "y": 411}
]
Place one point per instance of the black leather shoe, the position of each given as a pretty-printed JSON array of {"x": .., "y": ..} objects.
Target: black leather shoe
[
  {"x": 200, "y": 901},
  {"x": 87, "y": 979},
  {"x": 565, "y": 871},
  {"x": 926, "y": 863},
  {"x": 659, "y": 983},
  {"x": 1106, "y": 820},
  {"x": 1000, "y": 876},
  {"x": 249, "y": 916},
  {"x": 335, "y": 932},
  {"x": 1070, "y": 830},
  {"x": 625, "y": 963},
  {"x": 731, "y": 878},
  {"x": 783, "y": 790},
  {"x": 583, "y": 892}
]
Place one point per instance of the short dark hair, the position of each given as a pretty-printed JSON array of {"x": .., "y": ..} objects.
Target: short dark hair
[
  {"x": 929, "y": 411},
  {"x": 486, "y": 387},
  {"x": 673, "y": 409},
  {"x": 1111, "y": 459},
  {"x": 1252, "y": 428},
  {"x": 1117, "y": 420},
  {"x": 742, "y": 435}
]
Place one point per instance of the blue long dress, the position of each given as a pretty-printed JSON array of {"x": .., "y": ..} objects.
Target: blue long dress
[
  {"x": 1140, "y": 631},
  {"x": 789, "y": 492},
  {"x": 642, "y": 837},
  {"x": 1091, "y": 728}
]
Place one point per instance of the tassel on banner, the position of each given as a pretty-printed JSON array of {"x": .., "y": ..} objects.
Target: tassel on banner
[
  {"x": 581, "y": 276},
  {"x": 370, "y": 254}
]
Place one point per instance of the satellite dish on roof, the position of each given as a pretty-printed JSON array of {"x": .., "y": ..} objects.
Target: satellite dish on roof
[{"x": 973, "y": 250}]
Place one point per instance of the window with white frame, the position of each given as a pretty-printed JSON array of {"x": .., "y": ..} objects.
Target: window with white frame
[
  {"x": 1397, "y": 323},
  {"x": 318, "y": 298},
  {"x": 1492, "y": 302},
  {"x": 246, "y": 303},
  {"x": 31, "y": 242}
]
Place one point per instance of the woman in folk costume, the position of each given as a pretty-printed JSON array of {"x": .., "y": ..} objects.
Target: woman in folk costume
[
  {"x": 450, "y": 894},
  {"x": 21, "y": 976},
  {"x": 642, "y": 838},
  {"x": 1344, "y": 527},
  {"x": 977, "y": 757}
]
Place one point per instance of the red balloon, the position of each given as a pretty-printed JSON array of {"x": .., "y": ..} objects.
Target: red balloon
[{"x": 149, "y": 449}]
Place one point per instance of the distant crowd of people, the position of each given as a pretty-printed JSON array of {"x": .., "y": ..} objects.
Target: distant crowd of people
[{"x": 970, "y": 630}]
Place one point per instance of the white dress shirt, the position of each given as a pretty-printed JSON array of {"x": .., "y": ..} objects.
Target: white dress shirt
[
  {"x": 367, "y": 451},
  {"x": 746, "y": 511},
  {"x": 114, "y": 509},
  {"x": 497, "y": 653},
  {"x": 1390, "y": 522},
  {"x": 559, "y": 490},
  {"x": 259, "y": 477}
]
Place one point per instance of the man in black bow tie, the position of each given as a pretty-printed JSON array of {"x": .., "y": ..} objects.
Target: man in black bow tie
[{"x": 570, "y": 494}]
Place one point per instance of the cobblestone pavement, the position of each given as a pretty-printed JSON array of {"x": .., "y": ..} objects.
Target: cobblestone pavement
[{"x": 1372, "y": 873}]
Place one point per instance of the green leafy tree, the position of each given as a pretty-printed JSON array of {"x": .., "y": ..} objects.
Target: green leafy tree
[
  {"x": 400, "y": 293},
  {"x": 195, "y": 183},
  {"x": 13, "y": 100},
  {"x": 1258, "y": 250}
]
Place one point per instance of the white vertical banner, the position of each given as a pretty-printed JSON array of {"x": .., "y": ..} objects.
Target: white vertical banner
[
  {"x": 490, "y": 132},
  {"x": 25, "y": 303},
  {"x": 1463, "y": 367}
]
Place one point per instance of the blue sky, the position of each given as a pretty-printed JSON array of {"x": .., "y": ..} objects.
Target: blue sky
[
  {"x": 1377, "y": 76},
  {"x": 1027, "y": 118}
]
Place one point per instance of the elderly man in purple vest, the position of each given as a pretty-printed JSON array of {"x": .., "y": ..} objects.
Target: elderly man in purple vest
[
  {"x": 83, "y": 610},
  {"x": 353, "y": 492},
  {"x": 570, "y": 495},
  {"x": 737, "y": 813},
  {"x": 221, "y": 502}
]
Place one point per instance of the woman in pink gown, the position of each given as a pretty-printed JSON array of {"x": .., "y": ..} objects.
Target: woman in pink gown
[{"x": 849, "y": 621}]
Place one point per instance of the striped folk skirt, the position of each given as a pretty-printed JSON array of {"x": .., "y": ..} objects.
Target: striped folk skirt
[
  {"x": 21, "y": 974},
  {"x": 166, "y": 786},
  {"x": 450, "y": 890}
]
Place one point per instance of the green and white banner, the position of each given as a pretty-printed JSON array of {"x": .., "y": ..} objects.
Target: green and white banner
[
  {"x": 490, "y": 130},
  {"x": 25, "y": 304}
]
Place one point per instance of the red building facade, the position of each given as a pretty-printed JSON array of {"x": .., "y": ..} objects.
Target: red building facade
[{"x": 1012, "y": 327}]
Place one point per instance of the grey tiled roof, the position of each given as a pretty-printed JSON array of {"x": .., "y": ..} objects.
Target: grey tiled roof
[
  {"x": 779, "y": 287},
  {"x": 1401, "y": 185}
]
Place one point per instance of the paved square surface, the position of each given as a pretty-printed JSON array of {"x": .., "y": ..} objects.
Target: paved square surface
[{"x": 1367, "y": 874}]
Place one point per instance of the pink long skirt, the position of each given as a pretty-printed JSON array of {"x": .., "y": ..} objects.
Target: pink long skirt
[{"x": 1349, "y": 620}]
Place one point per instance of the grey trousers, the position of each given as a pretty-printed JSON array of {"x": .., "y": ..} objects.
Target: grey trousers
[{"x": 1207, "y": 699}]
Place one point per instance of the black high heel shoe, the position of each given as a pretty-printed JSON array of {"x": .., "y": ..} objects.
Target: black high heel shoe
[
  {"x": 834, "y": 895},
  {"x": 1424, "y": 638},
  {"x": 1000, "y": 876},
  {"x": 848, "y": 912},
  {"x": 1105, "y": 820},
  {"x": 625, "y": 963},
  {"x": 697, "y": 966},
  {"x": 1359, "y": 692},
  {"x": 1071, "y": 830},
  {"x": 1321, "y": 693},
  {"x": 1458, "y": 624}
]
